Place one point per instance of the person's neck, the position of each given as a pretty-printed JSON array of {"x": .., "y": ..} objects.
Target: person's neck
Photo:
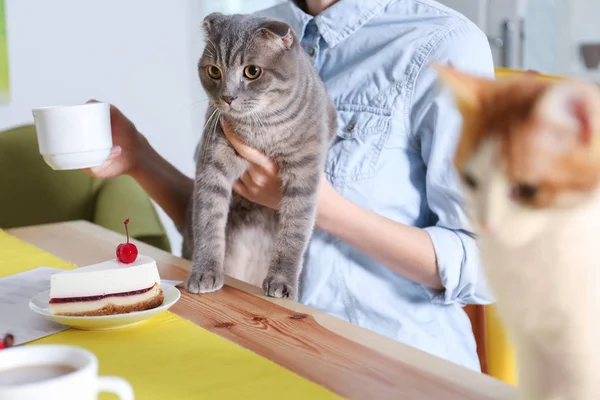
[{"x": 315, "y": 7}]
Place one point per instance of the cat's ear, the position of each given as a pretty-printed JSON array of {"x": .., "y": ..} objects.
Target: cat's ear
[
  {"x": 277, "y": 31},
  {"x": 468, "y": 90},
  {"x": 572, "y": 108},
  {"x": 209, "y": 21}
]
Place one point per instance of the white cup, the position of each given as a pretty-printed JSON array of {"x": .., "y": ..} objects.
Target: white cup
[
  {"x": 74, "y": 137},
  {"x": 83, "y": 383}
]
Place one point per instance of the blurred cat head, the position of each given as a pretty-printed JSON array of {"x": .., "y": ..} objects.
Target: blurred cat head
[
  {"x": 248, "y": 64},
  {"x": 528, "y": 146}
]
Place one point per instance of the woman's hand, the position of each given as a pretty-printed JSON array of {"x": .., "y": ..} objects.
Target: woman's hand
[
  {"x": 260, "y": 183},
  {"x": 127, "y": 142}
]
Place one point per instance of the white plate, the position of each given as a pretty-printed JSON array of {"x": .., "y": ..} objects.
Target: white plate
[{"x": 39, "y": 304}]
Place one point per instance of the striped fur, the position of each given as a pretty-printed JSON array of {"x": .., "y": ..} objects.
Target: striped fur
[{"x": 286, "y": 114}]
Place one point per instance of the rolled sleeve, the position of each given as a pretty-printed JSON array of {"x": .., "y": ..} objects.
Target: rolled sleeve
[{"x": 436, "y": 124}]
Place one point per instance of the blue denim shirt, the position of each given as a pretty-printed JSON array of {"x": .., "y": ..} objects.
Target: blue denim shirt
[{"x": 393, "y": 155}]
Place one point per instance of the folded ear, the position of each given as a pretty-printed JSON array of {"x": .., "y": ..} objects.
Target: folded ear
[
  {"x": 570, "y": 113},
  {"x": 278, "y": 32},
  {"x": 209, "y": 21},
  {"x": 468, "y": 90}
]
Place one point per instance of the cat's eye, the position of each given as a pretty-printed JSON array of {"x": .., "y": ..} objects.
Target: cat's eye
[
  {"x": 213, "y": 71},
  {"x": 525, "y": 191},
  {"x": 252, "y": 72},
  {"x": 470, "y": 181}
]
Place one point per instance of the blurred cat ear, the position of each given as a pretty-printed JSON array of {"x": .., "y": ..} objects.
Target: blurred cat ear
[
  {"x": 467, "y": 89},
  {"x": 571, "y": 107},
  {"x": 278, "y": 31},
  {"x": 209, "y": 20}
]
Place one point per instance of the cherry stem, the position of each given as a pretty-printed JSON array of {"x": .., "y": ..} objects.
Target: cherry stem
[{"x": 127, "y": 229}]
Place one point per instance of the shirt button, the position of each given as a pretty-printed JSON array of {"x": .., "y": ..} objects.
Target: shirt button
[
  {"x": 350, "y": 127},
  {"x": 311, "y": 52}
]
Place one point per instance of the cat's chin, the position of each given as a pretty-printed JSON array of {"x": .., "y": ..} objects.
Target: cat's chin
[{"x": 231, "y": 113}]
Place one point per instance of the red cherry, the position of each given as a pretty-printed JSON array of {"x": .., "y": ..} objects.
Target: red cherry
[
  {"x": 1, "y": 344},
  {"x": 127, "y": 252}
]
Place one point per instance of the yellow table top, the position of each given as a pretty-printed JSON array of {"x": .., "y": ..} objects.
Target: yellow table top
[{"x": 167, "y": 357}]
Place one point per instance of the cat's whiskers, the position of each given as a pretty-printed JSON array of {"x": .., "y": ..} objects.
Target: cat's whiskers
[
  {"x": 216, "y": 122},
  {"x": 208, "y": 145},
  {"x": 213, "y": 131},
  {"x": 210, "y": 118},
  {"x": 280, "y": 107},
  {"x": 256, "y": 117},
  {"x": 280, "y": 113},
  {"x": 194, "y": 104}
]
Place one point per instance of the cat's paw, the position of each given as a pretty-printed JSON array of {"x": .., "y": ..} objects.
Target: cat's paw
[
  {"x": 280, "y": 287},
  {"x": 204, "y": 281}
]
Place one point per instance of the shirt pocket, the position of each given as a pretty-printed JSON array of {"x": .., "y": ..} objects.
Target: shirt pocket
[{"x": 361, "y": 135}]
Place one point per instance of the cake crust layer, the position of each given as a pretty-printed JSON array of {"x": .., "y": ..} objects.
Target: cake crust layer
[{"x": 112, "y": 309}]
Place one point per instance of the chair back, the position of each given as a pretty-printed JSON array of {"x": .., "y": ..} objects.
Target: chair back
[{"x": 32, "y": 191}]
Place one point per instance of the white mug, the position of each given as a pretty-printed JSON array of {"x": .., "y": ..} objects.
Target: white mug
[
  {"x": 55, "y": 372},
  {"x": 74, "y": 137}
]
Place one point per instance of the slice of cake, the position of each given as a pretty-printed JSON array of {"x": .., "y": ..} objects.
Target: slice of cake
[{"x": 111, "y": 287}]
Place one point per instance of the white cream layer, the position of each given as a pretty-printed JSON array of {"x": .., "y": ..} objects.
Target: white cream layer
[
  {"x": 85, "y": 306},
  {"x": 105, "y": 278}
]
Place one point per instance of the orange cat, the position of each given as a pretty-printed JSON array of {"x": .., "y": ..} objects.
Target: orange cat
[{"x": 529, "y": 159}]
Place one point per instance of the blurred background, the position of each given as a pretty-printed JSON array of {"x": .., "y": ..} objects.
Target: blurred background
[
  {"x": 543, "y": 35},
  {"x": 141, "y": 56}
]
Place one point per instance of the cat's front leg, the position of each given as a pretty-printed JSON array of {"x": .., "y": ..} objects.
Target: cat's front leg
[
  {"x": 212, "y": 194},
  {"x": 296, "y": 221}
]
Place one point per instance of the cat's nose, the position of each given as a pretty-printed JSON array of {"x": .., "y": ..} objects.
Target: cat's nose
[{"x": 228, "y": 99}]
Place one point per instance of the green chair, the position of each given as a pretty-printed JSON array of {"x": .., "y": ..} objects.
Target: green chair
[{"x": 32, "y": 193}]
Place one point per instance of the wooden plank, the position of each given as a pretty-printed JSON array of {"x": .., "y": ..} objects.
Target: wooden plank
[{"x": 345, "y": 358}]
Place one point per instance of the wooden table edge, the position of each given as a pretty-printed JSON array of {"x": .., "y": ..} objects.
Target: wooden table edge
[{"x": 417, "y": 359}]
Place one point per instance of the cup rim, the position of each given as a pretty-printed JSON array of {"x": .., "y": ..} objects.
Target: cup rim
[
  {"x": 73, "y": 106},
  {"x": 88, "y": 363}
]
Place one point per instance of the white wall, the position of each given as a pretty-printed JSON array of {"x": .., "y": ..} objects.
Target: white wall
[
  {"x": 137, "y": 54},
  {"x": 555, "y": 29},
  {"x": 584, "y": 28},
  {"x": 544, "y": 36}
]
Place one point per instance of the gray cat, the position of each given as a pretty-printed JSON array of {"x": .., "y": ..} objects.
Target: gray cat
[{"x": 257, "y": 75}]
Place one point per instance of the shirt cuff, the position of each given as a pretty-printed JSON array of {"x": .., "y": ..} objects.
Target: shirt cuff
[{"x": 459, "y": 268}]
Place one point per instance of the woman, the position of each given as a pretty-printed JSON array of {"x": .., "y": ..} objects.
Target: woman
[{"x": 391, "y": 251}]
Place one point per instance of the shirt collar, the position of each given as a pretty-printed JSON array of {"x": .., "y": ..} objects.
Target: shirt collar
[{"x": 340, "y": 20}]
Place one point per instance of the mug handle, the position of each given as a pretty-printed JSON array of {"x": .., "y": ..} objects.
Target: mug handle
[{"x": 115, "y": 385}]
